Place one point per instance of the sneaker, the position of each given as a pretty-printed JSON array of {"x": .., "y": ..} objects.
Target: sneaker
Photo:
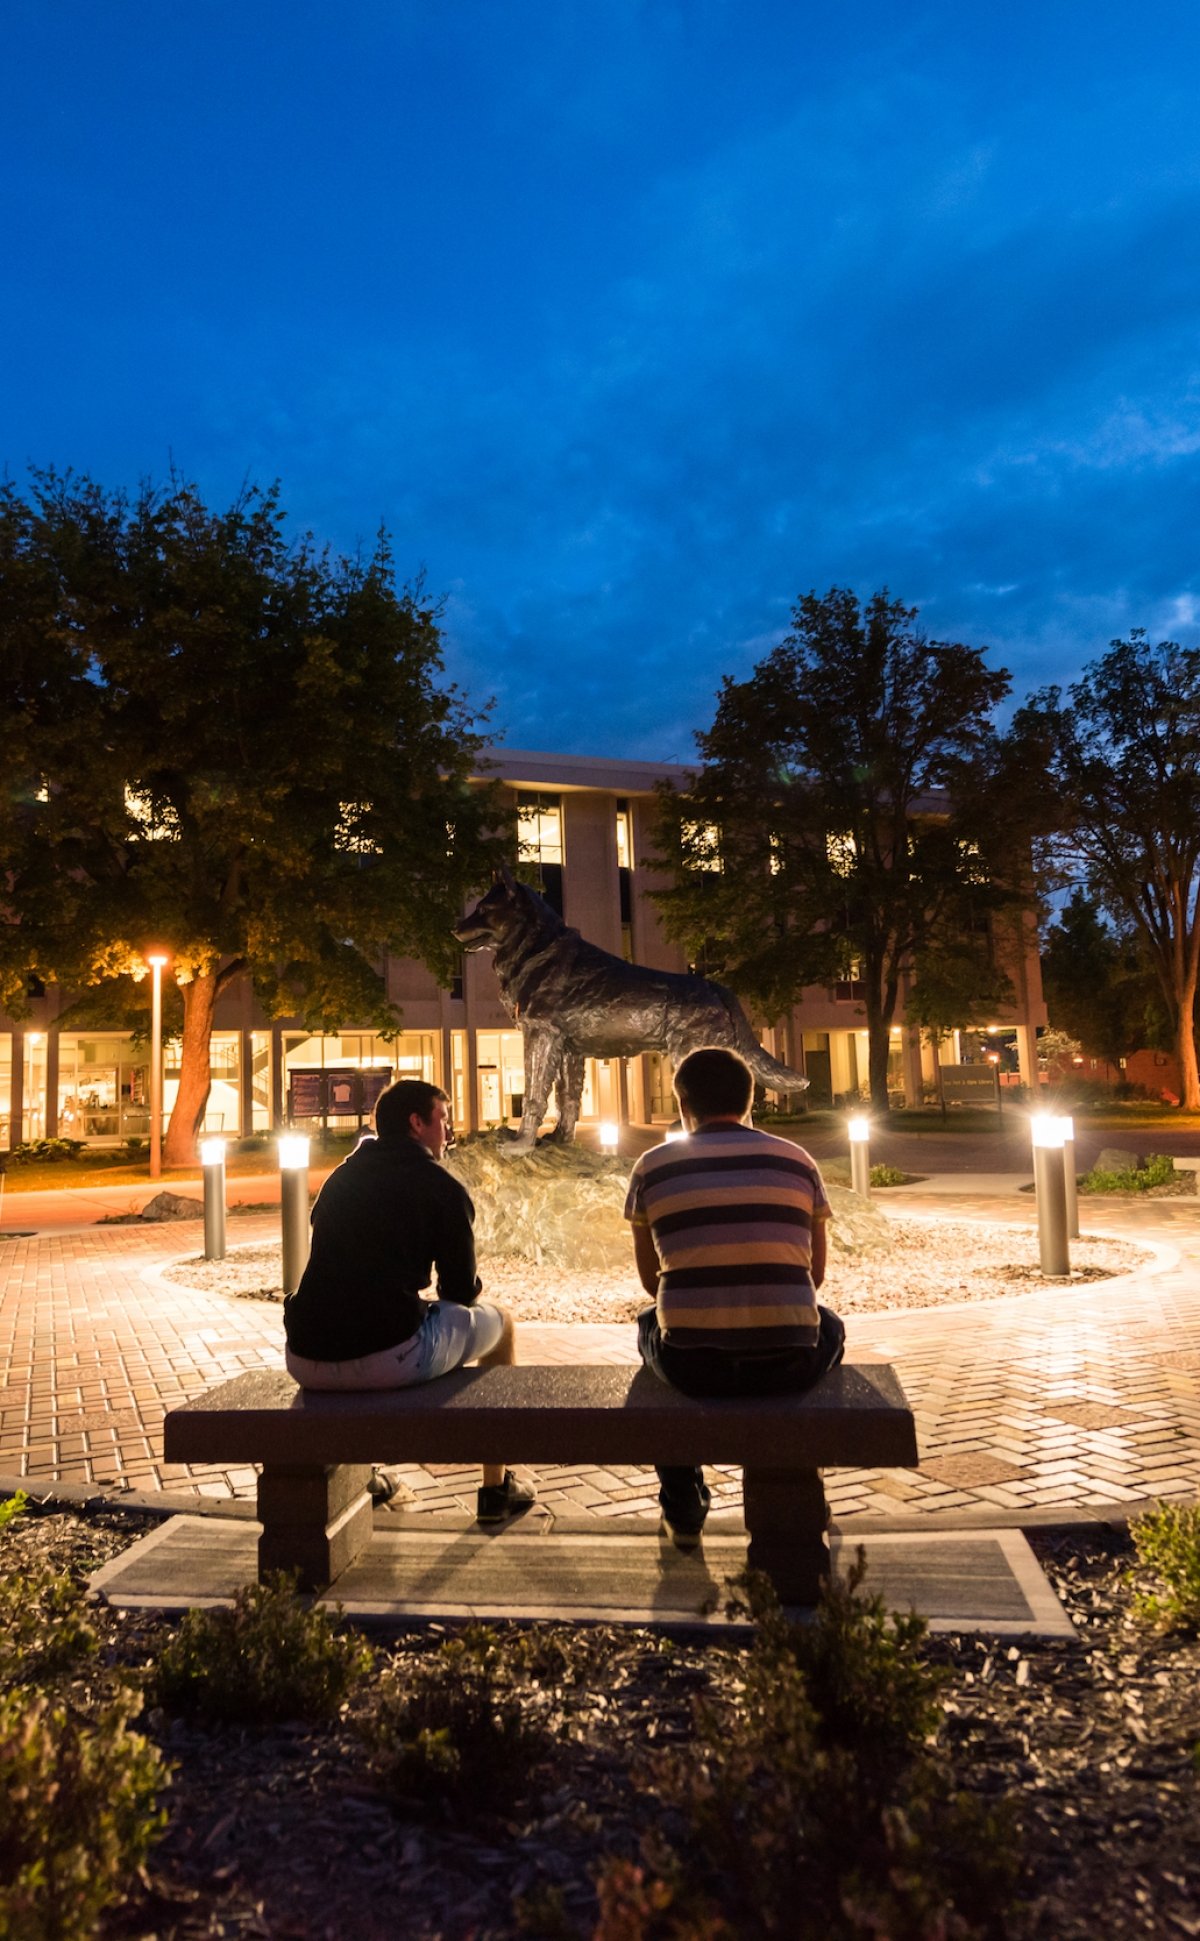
[
  {"x": 686, "y": 1528},
  {"x": 386, "y": 1487},
  {"x": 496, "y": 1502},
  {"x": 685, "y": 1536}
]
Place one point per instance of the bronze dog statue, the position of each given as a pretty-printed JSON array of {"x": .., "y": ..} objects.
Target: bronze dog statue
[{"x": 573, "y": 1000}]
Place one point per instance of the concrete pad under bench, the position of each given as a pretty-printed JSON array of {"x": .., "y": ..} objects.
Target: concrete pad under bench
[
  {"x": 578, "y": 1572},
  {"x": 317, "y": 1450}
]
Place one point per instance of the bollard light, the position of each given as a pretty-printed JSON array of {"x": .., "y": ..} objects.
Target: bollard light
[
  {"x": 212, "y": 1161},
  {"x": 293, "y": 1207},
  {"x": 609, "y": 1137},
  {"x": 858, "y": 1130},
  {"x": 1049, "y": 1182},
  {"x": 1068, "y": 1125}
]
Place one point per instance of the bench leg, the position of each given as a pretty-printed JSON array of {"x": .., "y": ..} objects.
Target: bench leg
[
  {"x": 314, "y": 1520},
  {"x": 786, "y": 1517}
]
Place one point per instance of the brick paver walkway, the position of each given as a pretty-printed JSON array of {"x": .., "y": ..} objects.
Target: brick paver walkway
[{"x": 1048, "y": 1401}]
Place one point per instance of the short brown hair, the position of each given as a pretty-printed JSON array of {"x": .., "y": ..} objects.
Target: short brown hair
[
  {"x": 395, "y": 1106},
  {"x": 714, "y": 1083}
]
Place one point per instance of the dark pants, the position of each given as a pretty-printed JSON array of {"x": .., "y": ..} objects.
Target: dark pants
[{"x": 705, "y": 1372}]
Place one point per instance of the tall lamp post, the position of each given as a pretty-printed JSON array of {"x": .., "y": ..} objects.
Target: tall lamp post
[{"x": 157, "y": 960}]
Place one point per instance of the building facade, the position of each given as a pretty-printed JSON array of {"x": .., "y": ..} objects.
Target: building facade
[{"x": 585, "y": 826}]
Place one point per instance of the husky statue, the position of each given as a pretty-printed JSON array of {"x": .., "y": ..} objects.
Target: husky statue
[{"x": 573, "y": 1000}]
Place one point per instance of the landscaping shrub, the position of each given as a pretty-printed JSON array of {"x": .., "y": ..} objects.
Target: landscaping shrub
[
  {"x": 78, "y": 1813},
  {"x": 47, "y": 1149},
  {"x": 889, "y": 1176},
  {"x": 1159, "y": 1170},
  {"x": 1167, "y": 1542},
  {"x": 45, "y": 1628},
  {"x": 456, "y": 1736},
  {"x": 135, "y": 1146},
  {"x": 814, "y": 1804},
  {"x": 266, "y": 1657}
]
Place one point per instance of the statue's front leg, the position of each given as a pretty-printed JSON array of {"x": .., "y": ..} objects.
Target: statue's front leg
[
  {"x": 541, "y": 1064},
  {"x": 570, "y": 1093}
]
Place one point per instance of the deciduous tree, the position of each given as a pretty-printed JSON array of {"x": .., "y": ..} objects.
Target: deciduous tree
[
  {"x": 1122, "y": 752},
  {"x": 847, "y": 819},
  {"x": 231, "y": 745}
]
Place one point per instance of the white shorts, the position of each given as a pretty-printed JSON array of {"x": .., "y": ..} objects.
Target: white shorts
[{"x": 449, "y": 1335}]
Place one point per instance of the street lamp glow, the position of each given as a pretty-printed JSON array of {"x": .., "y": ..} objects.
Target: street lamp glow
[
  {"x": 212, "y": 1152},
  {"x": 157, "y": 959},
  {"x": 1047, "y": 1131},
  {"x": 858, "y": 1129},
  {"x": 609, "y": 1136},
  {"x": 293, "y": 1152}
]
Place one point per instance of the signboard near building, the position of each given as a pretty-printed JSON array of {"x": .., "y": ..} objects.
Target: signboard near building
[
  {"x": 335, "y": 1092},
  {"x": 971, "y": 1085}
]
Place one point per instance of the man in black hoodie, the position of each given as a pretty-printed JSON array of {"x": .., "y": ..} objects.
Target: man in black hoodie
[{"x": 383, "y": 1222}]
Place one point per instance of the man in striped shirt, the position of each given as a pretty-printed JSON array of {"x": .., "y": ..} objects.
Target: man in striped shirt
[{"x": 729, "y": 1236}]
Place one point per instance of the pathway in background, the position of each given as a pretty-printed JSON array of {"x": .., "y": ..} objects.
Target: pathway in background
[{"x": 1052, "y": 1400}]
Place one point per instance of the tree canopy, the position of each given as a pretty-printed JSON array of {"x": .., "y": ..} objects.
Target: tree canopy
[
  {"x": 1097, "y": 985},
  {"x": 228, "y": 744},
  {"x": 1122, "y": 754},
  {"x": 851, "y": 820}
]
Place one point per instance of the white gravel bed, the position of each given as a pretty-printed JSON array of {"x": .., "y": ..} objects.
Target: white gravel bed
[{"x": 932, "y": 1264}]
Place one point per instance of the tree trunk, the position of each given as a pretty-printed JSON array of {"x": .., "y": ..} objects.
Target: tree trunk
[
  {"x": 879, "y": 1044},
  {"x": 195, "y": 1077},
  {"x": 1185, "y": 1046}
]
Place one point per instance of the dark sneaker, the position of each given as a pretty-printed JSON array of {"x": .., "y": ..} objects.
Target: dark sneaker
[
  {"x": 684, "y": 1523},
  {"x": 496, "y": 1502},
  {"x": 386, "y": 1487},
  {"x": 685, "y": 1536}
]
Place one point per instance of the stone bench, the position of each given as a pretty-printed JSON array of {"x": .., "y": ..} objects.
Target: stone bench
[{"x": 316, "y": 1451}]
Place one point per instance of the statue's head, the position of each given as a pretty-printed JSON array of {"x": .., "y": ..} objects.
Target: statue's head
[{"x": 509, "y": 909}]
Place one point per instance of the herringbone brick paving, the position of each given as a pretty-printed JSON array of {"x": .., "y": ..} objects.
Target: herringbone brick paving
[{"x": 1057, "y": 1399}]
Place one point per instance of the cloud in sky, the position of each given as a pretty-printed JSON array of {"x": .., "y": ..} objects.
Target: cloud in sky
[{"x": 635, "y": 323}]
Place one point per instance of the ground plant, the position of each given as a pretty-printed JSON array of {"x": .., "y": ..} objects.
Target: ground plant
[
  {"x": 45, "y": 1628},
  {"x": 1167, "y": 1542},
  {"x": 48, "y": 1151},
  {"x": 812, "y": 1802},
  {"x": 455, "y": 1735},
  {"x": 79, "y": 1812},
  {"x": 267, "y": 1656},
  {"x": 1158, "y": 1170}
]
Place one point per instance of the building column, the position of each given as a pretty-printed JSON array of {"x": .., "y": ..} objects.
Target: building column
[
  {"x": 245, "y": 1081},
  {"x": 914, "y": 1086},
  {"x": 16, "y": 1131},
  {"x": 276, "y": 1076},
  {"x": 52, "y": 1049},
  {"x": 1027, "y": 1057}
]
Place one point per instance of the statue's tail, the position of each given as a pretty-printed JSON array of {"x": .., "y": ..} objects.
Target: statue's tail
[{"x": 767, "y": 1070}]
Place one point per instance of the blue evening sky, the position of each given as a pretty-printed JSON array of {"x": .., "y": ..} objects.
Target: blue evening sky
[{"x": 633, "y": 319}]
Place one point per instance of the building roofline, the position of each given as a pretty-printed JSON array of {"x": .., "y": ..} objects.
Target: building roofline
[{"x": 548, "y": 770}]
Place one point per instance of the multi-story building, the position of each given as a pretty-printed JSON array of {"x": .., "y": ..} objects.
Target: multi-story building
[{"x": 585, "y": 825}]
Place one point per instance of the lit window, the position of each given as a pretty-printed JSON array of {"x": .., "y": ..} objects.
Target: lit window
[
  {"x": 970, "y": 864},
  {"x": 155, "y": 823},
  {"x": 539, "y": 828},
  {"x": 349, "y": 833},
  {"x": 842, "y": 853},
  {"x": 624, "y": 842},
  {"x": 701, "y": 845}
]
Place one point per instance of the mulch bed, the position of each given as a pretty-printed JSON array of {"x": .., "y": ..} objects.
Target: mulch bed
[{"x": 279, "y": 1831}]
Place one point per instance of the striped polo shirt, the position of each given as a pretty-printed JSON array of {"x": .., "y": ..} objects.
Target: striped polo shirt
[{"x": 731, "y": 1210}]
